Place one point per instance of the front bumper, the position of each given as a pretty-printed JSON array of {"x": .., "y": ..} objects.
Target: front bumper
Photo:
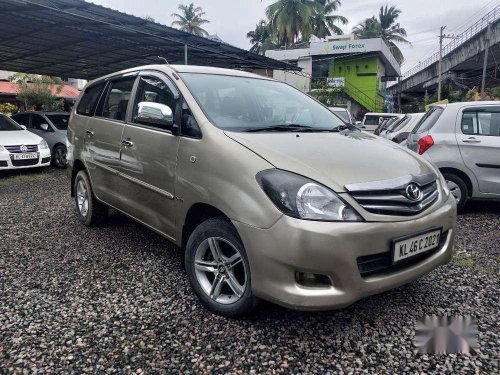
[
  {"x": 331, "y": 249},
  {"x": 7, "y": 163}
]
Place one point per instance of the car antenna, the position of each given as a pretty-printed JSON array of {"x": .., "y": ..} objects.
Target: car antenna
[{"x": 164, "y": 59}]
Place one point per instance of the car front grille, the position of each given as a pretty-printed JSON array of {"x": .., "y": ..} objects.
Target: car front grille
[
  {"x": 17, "y": 149},
  {"x": 24, "y": 163},
  {"x": 381, "y": 263},
  {"x": 391, "y": 197}
]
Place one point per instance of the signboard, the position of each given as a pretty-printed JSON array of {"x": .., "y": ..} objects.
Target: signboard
[
  {"x": 336, "y": 81},
  {"x": 346, "y": 46}
]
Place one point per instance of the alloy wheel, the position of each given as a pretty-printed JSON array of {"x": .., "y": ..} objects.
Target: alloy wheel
[
  {"x": 454, "y": 190},
  {"x": 82, "y": 198},
  {"x": 220, "y": 270},
  {"x": 60, "y": 157}
]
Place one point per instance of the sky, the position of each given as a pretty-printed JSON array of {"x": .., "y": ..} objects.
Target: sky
[{"x": 232, "y": 19}]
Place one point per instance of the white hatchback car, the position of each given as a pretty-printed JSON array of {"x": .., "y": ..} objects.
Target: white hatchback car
[
  {"x": 463, "y": 141},
  {"x": 19, "y": 148}
]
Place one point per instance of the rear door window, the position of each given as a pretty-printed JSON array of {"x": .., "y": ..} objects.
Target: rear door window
[
  {"x": 89, "y": 100},
  {"x": 118, "y": 96},
  {"x": 429, "y": 120},
  {"x": 481, "y": 121}
]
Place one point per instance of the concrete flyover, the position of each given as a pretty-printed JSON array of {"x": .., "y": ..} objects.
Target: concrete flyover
[{"x": 463, "y": 60}]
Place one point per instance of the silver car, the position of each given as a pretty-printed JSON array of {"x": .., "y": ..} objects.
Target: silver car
[
  {"x": 51, "y": 126},
  {"x": 463, "y": 141},
  {"x": 268, "y": 193}
]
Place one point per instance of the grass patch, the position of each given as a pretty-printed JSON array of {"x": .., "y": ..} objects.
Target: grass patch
[
  {"x": 19, "y": 179},
  {"x": 469, "y": 261}
]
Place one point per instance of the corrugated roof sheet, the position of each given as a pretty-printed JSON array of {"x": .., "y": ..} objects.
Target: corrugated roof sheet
[
  {"x": 66, "y": 92},
  {"x": 74, "y": 38}
]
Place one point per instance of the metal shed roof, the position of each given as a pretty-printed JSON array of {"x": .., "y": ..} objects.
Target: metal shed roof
[{"x": 74, "y": 38}]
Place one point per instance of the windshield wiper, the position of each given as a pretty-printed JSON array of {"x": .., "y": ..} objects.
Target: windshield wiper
[{"x": 282, "y": 128}]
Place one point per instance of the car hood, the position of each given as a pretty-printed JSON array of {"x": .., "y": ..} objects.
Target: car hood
[
  {"x": 18, "y": 137},
  {"x": 334, "y": 159}
]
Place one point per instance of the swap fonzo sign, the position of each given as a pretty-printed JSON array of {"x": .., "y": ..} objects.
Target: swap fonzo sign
[{"x": 346, "y": 46}]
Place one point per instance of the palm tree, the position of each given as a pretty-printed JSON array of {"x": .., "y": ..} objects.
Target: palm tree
[
  {"x": 290, "y": 19},
  {"x": 261, "y": 38},
  {"x": 384, "y": 27},
  {"x": 324, "y": 22},
  {"x": 190, "y": 20}
]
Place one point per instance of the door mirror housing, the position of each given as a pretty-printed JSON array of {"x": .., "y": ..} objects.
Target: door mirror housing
[
  {"x": 44, "y": 127},
  {"x": 155, "y": 114}
]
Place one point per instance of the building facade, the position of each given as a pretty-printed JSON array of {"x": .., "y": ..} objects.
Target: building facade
[{"x": 359, "y": 68}]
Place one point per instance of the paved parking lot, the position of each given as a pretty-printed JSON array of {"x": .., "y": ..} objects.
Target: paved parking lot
[{"x": 114, "y": 299}]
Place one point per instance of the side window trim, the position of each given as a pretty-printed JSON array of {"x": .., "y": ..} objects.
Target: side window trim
[{"x": 104, "y": 96}]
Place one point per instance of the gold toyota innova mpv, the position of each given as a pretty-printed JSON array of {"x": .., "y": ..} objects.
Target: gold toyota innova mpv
[{"x": 269, "y": 194}]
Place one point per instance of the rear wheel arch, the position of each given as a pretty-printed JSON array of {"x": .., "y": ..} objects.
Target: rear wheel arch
[{"x": 462, "y": 175}]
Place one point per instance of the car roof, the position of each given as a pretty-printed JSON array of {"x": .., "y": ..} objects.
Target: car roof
[
  {"x": 43, "y": 113},
  {"x": 383, "y": 114},
  {"x": 183, "y": 69},
  {"x": 338, "y": 109},
  {"x": 471, "y": 103}
]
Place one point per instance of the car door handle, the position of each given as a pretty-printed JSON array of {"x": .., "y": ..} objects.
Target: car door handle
[
  {"x": 471, "y": 140},
  {"x": 89, "y": 133},
  {"x": 127, "y": 143}
]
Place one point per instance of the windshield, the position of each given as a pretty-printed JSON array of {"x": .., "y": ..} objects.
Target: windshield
[
  {"x": 428, "y": 121},
  {"x": 7, "y": 124},
  {"x": 60, "y": 121},
  {"x": 246, "y": 104},
  {"x": 343, "y": 115}
]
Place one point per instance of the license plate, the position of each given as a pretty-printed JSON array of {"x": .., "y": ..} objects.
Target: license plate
[
  {"x": 30, "y": 155},
  {"x": 418, "y": 244}
]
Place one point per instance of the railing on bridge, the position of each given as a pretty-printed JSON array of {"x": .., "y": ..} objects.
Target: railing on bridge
[{"x": 477, "y": 27}]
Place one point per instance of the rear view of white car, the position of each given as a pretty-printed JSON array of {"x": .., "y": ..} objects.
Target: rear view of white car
[
  {"x": 400, "y": 130},
  {"x": 19, "y": 148},
  {"x": 463, "y": 141}
]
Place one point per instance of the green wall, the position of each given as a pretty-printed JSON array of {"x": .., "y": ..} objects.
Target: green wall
[{"x": 360, "y": 72}]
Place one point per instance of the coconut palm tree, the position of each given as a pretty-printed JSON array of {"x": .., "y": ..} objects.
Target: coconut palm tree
[
  {"x": 291, "y": 19},
  {"x": 261, "y": 38},
  {"x": 324, "y": 22},
  {"x": 385, "y": 27},
  {"x": 190, "y": 19}
]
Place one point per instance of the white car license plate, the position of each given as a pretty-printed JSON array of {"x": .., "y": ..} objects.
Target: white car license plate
[
  {"x": 29, "y": 155},
  {"x": 418, "y": 244}
]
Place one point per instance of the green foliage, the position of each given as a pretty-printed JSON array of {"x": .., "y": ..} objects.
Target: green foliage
[
  {"x": 35, "y": 91},
  {"x": 329, "y": 96},
  {"x": 385, "y": 27},
  {"x": 292, "y": 21},
  {"x": 8, "y": 109},
  {"x": 190, "y": 19}
]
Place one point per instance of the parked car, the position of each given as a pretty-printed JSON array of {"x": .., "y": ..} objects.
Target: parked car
[
  {"x": 400, "y": 130},
  {"x": 343, "y": 113},
  {"x": 258, "y": 185},
  {"x": 19, "y": 148},
  {"x": 372, "y": 120},
  {"x": 385, "y": 124},
  {"x": 51, "y": 126},
  {"x": 463, "y": 141}
]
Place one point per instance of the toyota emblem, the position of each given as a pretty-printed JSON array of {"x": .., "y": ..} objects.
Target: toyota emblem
[
  {"x": 23, "y": 148},
  {"x": 413, "y": 192}
]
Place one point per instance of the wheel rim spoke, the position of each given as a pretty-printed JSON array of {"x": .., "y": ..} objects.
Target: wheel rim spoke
[
  {"x": 234, "y": 260},
  {"x": 234, "y": 284},
  {"x": 216, "y": 287},
  {"x": 215, "y": 249},
  {"x": 205, "y": 266}
]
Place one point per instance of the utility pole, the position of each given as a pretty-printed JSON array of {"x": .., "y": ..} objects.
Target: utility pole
[
  {"x": 486, "y": 48},
  {"x": 399, "y": 95},
  {"x": 440, "y": 70},
  {"x": 440, "y": 60},
  {"x": 185, "y": 54}
]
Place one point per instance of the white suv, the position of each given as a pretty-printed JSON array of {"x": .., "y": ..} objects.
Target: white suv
[{"x": 463, "y": 141}]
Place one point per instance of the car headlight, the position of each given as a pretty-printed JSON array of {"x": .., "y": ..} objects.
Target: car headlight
[
  {"x": 302, "y": 198},
  {"x": 444, "y": 185},
  {"x": 43, "y": 145}
]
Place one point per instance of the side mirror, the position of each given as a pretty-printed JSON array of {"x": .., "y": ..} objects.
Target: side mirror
[
  {"x": 156, "y": 114},
  {"x": 44, "y": 127}
]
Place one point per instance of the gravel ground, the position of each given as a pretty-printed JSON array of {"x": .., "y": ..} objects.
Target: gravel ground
[{"x": 115, "y": 300}]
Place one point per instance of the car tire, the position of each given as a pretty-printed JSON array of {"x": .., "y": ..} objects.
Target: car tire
[
  {"x": 59, "y": 156},
  {"x": 458, "y": 188},
  {"x": 222, "y": 285},
  {"x": 89, "y": 210}
]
